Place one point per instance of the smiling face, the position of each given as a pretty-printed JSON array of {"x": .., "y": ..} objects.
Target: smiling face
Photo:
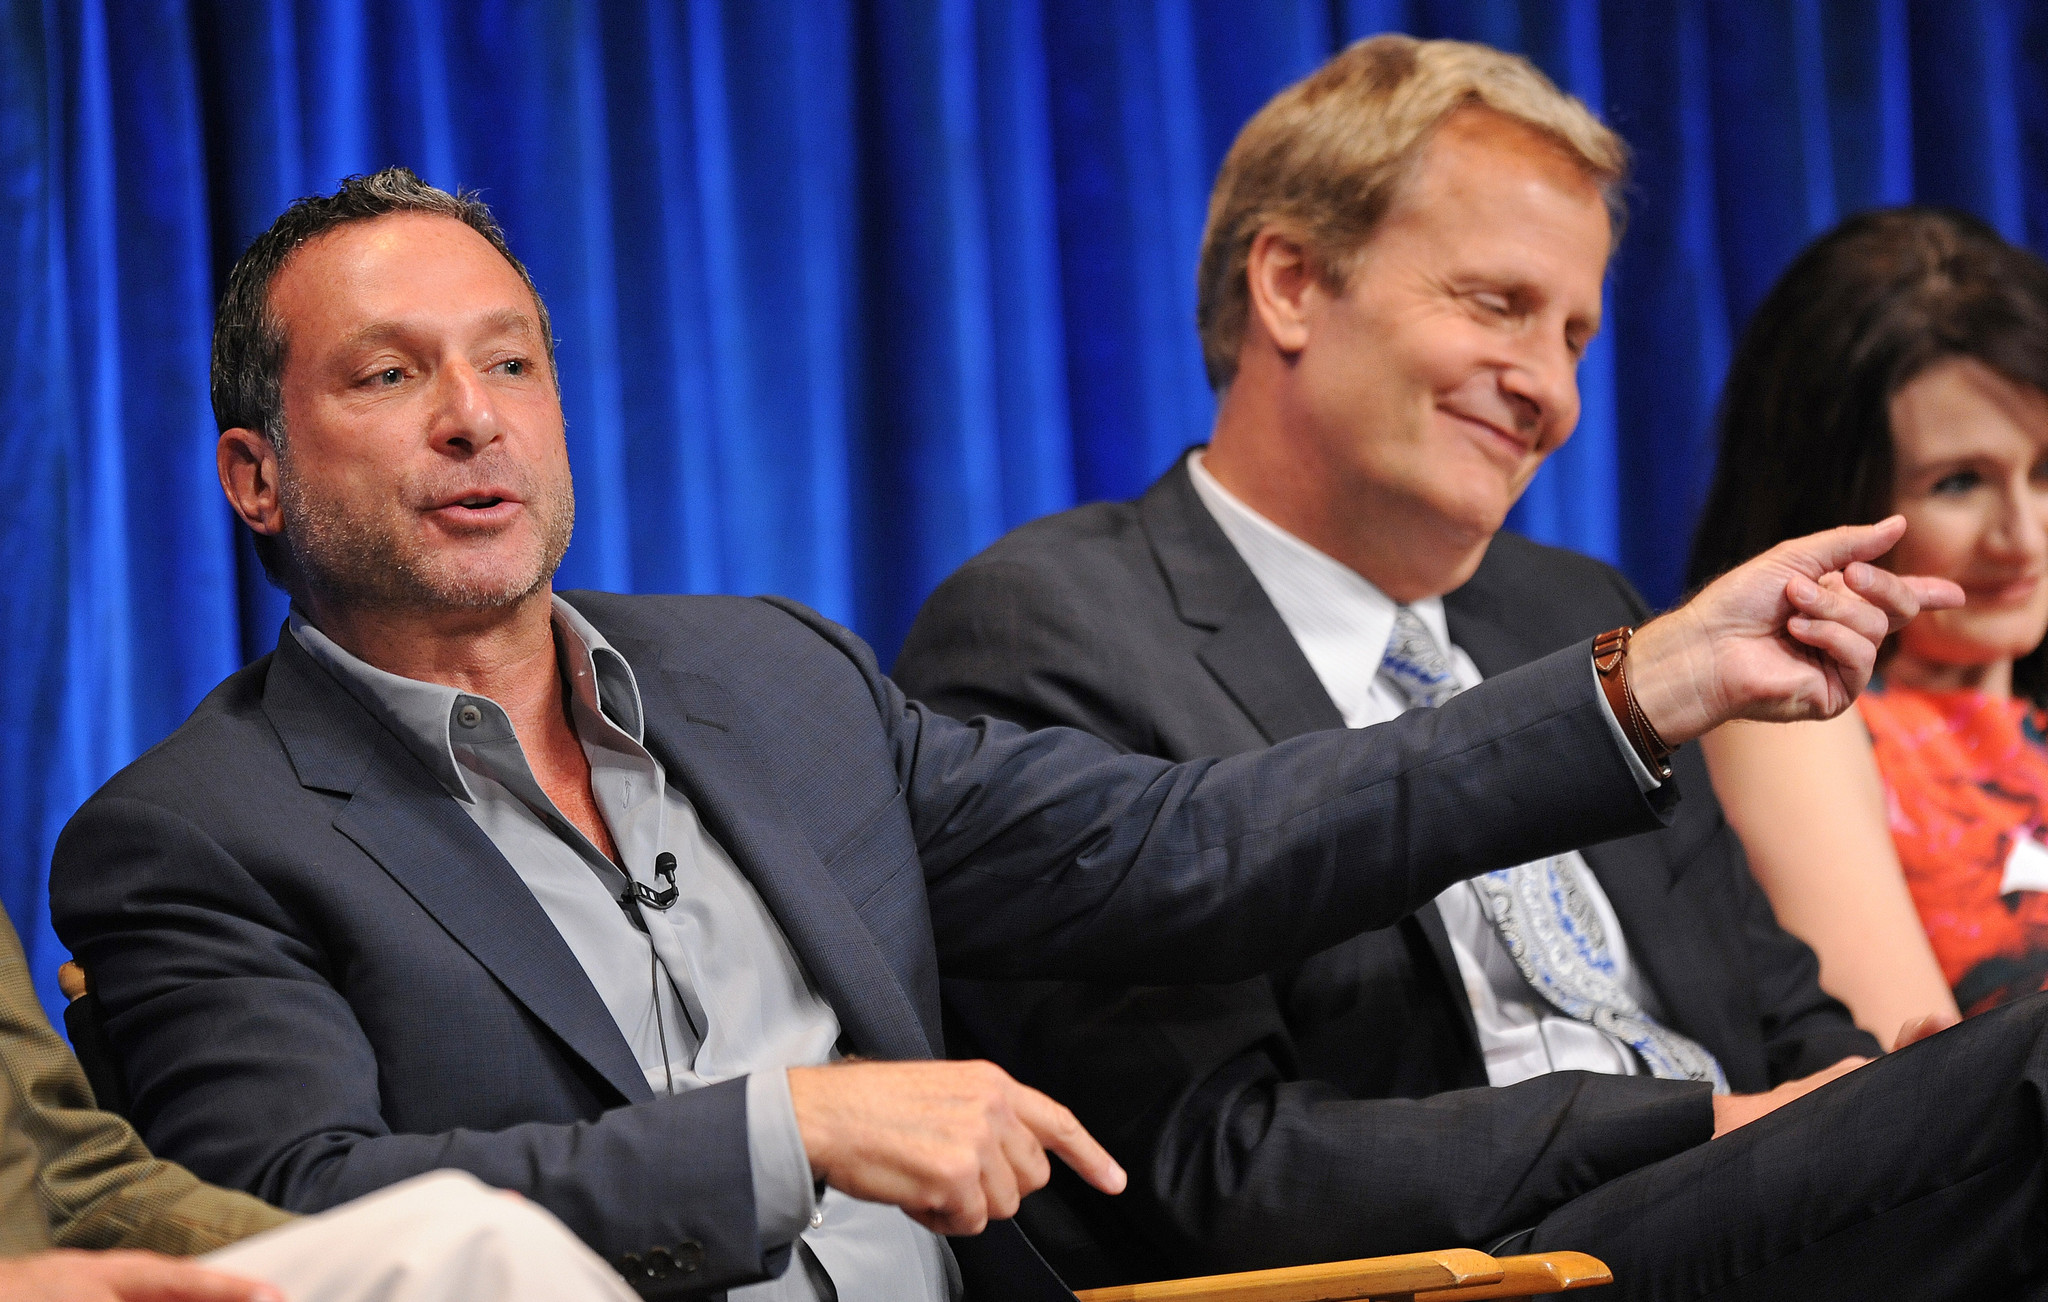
[
  {"x": 1971, "y": 455},
  {"x": 1423, "y": 396},
  {"x": 425, "y": 465}
]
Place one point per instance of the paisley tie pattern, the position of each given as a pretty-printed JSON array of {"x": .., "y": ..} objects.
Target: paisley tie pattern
[{"x": 1543, "y": 910}]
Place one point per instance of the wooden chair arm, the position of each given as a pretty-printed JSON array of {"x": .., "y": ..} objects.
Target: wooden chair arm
[
  {"x": 1547, "y": 1272},
  {"x": 1453, "y": 1275},
  {"x": 1368, "y": 1277}
]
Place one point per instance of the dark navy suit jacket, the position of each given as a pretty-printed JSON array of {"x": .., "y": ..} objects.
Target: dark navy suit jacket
[
  {"x": 1337, "y": 1107},
  {"x": 321, "y": 977}
]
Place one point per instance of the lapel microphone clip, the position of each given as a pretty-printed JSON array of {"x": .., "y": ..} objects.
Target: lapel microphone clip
[{"x": 664, "y": 868}]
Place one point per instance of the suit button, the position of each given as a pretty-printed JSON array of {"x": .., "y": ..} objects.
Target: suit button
[
  {"x": 659, "y": 1264},
  {"x": 689, "y": 1256},
  {"x": 631, "y": 1266}
]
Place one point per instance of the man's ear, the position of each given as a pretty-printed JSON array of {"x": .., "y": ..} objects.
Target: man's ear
[
  {"x": 1279, "y": 276},
  {"x": 248, "y": 475}
]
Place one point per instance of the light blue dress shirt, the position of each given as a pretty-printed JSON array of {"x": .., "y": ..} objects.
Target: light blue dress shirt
[{"x": 703, "y": 991}]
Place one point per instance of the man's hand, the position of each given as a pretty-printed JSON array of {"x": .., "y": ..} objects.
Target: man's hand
[
  {"x": 1792, "y": 634},
  {"x": 1919, "y": 1028},
  {"x": 954, "y": 1144},
  {"x": 66, "y": 1276},
  {"x": 1734, "y": 1110}
]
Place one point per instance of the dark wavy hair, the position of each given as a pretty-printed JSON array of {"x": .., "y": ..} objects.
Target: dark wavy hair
[{"x": 1805, "y": 418}]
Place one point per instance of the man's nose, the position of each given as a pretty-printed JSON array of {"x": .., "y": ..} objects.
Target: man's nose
[
  {"x": 465, "y": 416},
  {"x": 1542, "y": 384}
]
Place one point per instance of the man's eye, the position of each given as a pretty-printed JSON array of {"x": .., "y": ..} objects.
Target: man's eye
[
  {"x": 1494, "y": 303},
  {"x": 1962, "y": 481},
  {"x": 515, "y": 367},
  {"x": 390, "y": 375}
]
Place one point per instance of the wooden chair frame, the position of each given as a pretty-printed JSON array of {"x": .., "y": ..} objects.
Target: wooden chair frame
[{"x": 1454, "y": 1275}]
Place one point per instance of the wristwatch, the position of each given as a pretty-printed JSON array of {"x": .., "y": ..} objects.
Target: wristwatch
[{"x": 1610, "y": 662}]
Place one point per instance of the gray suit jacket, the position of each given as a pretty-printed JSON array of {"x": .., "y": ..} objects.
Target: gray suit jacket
[
  {"x": 322, "y": 977},
  {"x": 1337, "y": 1107}
]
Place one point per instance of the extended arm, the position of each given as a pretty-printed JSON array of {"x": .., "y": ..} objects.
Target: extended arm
[{"x": 1048, "y": 855}]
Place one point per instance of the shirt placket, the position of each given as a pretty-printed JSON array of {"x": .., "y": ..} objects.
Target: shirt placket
[
  {"x": 631, "y": 792},
  {"x": 495, "y": 751}
]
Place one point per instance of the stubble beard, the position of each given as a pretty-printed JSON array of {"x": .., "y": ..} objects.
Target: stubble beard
[{"x": 371, "y": 563}]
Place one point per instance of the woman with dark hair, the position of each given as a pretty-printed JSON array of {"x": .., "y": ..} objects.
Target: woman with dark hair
[{"x": 1901, "y": 364}]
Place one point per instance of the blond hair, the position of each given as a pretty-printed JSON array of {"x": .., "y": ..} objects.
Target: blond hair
[{"x": 1326, "y": 156}]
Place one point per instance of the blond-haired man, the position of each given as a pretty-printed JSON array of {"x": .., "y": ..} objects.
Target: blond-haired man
[{"x": 1402, "y": 268}]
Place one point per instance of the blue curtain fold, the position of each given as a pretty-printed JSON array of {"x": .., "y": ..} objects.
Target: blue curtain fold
[{"x": 845, "y": 288}]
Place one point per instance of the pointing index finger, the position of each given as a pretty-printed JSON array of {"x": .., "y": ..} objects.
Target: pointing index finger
[
  {"x": 1934, "y": 594},
  {"x": 1056, "y": 1128}
]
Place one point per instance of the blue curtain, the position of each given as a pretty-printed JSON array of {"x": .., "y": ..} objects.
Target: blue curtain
[{"x": 845, "y": 289}]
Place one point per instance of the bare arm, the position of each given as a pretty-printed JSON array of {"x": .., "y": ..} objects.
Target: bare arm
[{"x": 1808, "y": 803}]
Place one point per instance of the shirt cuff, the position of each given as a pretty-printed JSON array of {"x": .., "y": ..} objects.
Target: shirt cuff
[
  {"x": 1645, "y": 780},
  {"x": 785, "y": 1197}
]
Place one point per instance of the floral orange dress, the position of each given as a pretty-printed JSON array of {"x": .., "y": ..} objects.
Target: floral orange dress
[{"x": 1966, "y": 789}]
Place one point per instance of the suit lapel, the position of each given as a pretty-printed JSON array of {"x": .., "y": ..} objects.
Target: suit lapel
[
  {"x": 690, "y": 730},
  {"x": 1253, "y": 655},
  {"x": 1255, "y": 659},
  {"x": 1484, "y": 631},
  {"x": 1249, "y": 651},
  {"x": 400, "y": 816}
]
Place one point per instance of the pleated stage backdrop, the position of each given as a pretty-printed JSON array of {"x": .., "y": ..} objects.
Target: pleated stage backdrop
[{"x": 845, "y": 289}]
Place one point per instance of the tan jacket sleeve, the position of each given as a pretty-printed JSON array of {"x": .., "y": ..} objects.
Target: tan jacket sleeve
[{"x": 72, "y": 1176}]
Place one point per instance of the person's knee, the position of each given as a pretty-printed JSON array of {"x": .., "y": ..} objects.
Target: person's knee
[
  {"x": 502, "y": 1244},
  {"x": 454, "y": 1206}
]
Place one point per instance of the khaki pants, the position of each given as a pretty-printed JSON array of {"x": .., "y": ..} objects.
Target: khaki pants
[{"x": 441, "y": 1237}]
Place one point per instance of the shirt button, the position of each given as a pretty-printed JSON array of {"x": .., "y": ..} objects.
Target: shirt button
[
  {"x": 817, "y": 1218},
  {"x": 469, "y": 716}
]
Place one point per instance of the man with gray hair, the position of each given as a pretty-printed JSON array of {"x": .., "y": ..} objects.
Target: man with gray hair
[{"x": 1402, "y": 268}]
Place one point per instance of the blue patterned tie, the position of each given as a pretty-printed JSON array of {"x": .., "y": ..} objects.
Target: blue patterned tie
[{"x": 1542, "y": 910}]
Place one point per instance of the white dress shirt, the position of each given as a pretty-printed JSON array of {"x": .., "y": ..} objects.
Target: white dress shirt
[{"x": 1342, "y": 623}]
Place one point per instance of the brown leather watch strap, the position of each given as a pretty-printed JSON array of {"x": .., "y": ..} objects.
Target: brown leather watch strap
[{"x": 1610, "y": 662}]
